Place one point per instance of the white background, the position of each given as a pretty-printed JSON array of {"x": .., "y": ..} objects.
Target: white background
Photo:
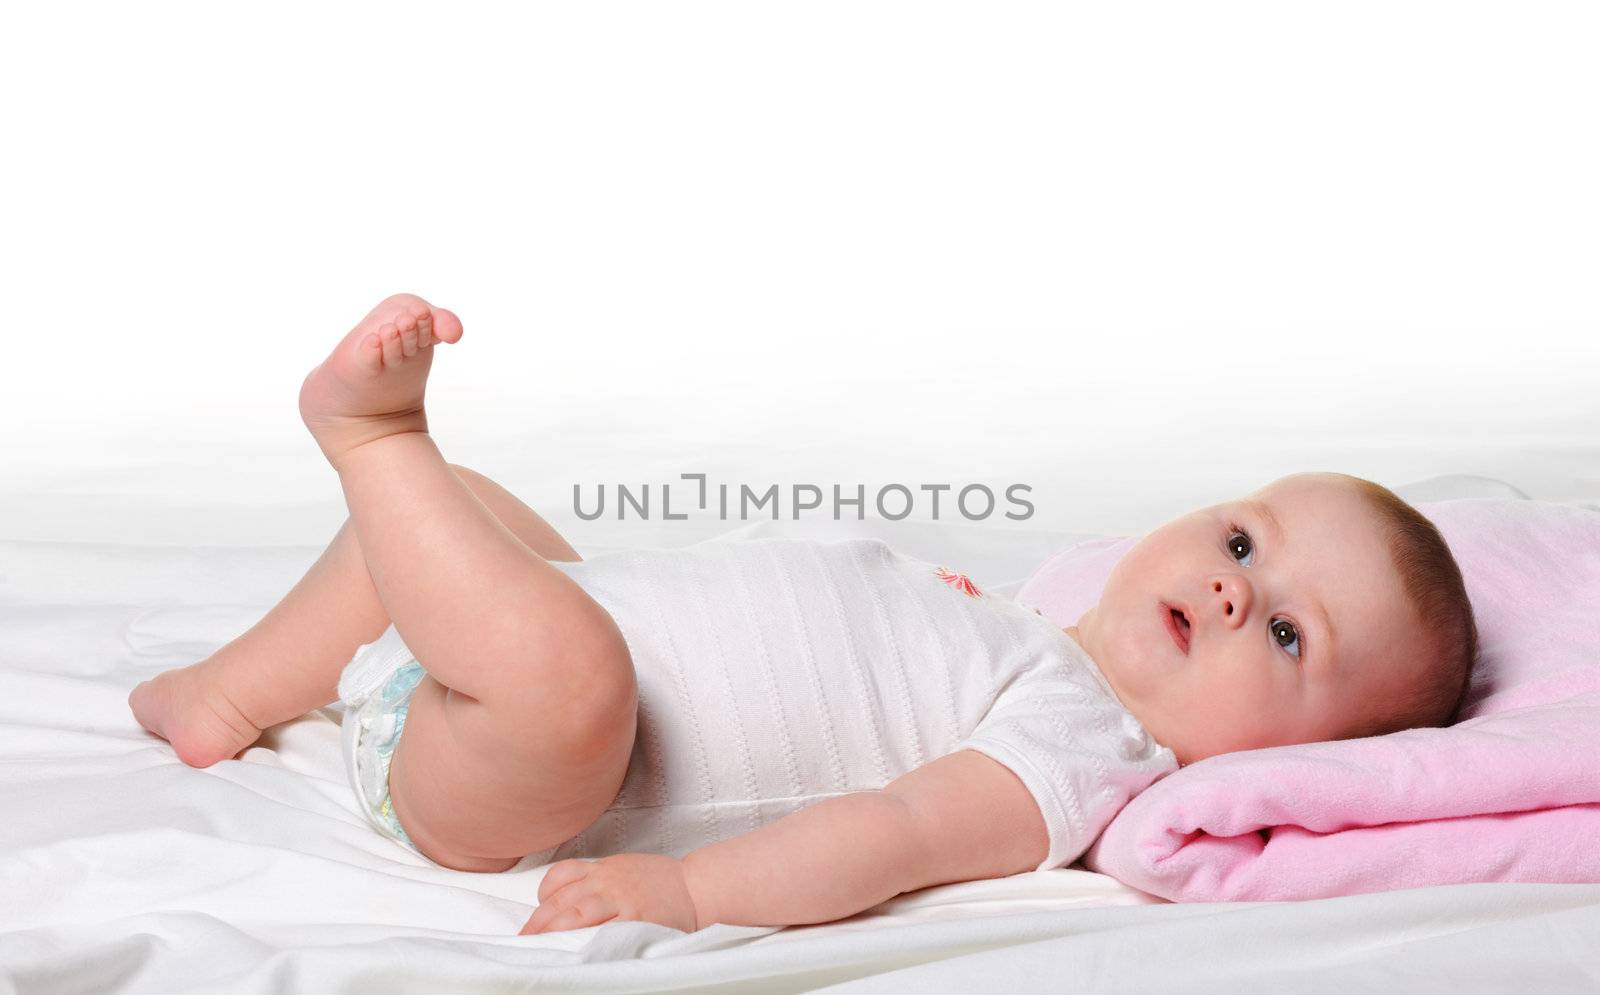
[{"x": 1133, "y": 255}]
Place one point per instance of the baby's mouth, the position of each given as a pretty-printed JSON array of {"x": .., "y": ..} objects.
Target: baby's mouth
[{"x": 1177, "y": 624}]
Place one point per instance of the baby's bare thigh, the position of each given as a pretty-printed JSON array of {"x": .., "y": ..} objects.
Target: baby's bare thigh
[{"x": 478, "y": 785}]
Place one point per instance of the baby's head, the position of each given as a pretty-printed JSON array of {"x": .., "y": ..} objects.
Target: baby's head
[{"x": 1320, "y": 607}]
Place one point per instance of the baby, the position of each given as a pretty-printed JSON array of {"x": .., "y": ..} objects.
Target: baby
[{"x": 782, "y": 731}]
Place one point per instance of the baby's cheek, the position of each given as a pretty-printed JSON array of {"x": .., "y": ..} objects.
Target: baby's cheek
[{"x": 1227, "y": 693}]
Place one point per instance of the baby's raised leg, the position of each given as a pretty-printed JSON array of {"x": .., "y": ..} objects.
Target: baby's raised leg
[{"x": 520, "y": 734}]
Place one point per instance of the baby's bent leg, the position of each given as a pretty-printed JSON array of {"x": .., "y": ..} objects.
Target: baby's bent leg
[
  {"x": 520, "y": 734},
  {"x": 289, "y": 662}
]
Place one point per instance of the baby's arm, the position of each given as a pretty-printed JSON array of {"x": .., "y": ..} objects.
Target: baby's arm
[{"x": 962, "y": 817}]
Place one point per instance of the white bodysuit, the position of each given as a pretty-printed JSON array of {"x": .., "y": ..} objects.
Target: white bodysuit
[{"x": 774, "y": 673}]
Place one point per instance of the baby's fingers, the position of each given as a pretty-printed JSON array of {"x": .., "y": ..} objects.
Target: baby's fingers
[
  {"x": 535, "y": 923},
  {"x": 542, "y": 916},
  {"x": 561, "y": 874},
  {"x": 572, "y": 912},
  {"x": 579, "y": 916}
]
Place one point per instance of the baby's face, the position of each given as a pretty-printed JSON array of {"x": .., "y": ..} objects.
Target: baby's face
[{"x": 1293, "y": 621}]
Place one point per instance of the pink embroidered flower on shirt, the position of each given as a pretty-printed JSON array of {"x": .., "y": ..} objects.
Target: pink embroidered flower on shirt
[{"x": 958, "y": 581}]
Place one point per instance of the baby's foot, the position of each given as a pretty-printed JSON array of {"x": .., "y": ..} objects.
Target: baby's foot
[
  {"x": 185, "y": 708},
  {"x": 371, "y": 385}
]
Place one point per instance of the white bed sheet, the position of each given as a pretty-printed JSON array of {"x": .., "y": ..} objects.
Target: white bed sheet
[{"x": 124, "y": 871}]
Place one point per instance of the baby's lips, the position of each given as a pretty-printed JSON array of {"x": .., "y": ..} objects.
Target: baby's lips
[{"x": 1179, "y": 633}]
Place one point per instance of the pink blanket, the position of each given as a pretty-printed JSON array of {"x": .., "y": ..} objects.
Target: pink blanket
[{"x": 1510, "y": 793}]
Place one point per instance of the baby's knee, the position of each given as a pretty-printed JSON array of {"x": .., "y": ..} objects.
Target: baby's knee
[{"x": 600, "y": 689}]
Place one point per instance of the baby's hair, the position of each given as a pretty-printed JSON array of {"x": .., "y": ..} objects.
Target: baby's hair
[{"x": 1433, "y": 583}]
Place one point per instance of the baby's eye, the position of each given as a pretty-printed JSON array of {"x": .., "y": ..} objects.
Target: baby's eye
[
  {"x": 1239, "y": 545},
  {"x": 1286, "y": 635}
]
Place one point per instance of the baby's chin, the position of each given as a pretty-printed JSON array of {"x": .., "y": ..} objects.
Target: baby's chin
[
  {"x": 1146, "y": 671},
  {"x": 1156, "y": 690},
  {"x": 1142, "y": 684}
]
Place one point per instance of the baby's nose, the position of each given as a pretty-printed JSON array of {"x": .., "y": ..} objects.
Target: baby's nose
[{"x": 1232, "y": 596}]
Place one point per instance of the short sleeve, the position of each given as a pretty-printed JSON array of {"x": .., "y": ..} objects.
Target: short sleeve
[{"x": 1081, "y": 754}]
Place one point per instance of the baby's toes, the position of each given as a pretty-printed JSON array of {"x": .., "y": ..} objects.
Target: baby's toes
[
  {"x": 369, "y": 351},
  {"x": 425, "y": 330},
  {"x": 446, "y": 326},
  {"x": 406, "y": 323},
  {"x": 393, "y": 348}
]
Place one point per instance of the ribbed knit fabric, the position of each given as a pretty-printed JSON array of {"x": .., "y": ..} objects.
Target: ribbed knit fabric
[{"x": 774, "y": 673}]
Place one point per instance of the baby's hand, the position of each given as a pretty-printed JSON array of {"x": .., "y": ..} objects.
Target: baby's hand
[{"x": 647, "y": 886}]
